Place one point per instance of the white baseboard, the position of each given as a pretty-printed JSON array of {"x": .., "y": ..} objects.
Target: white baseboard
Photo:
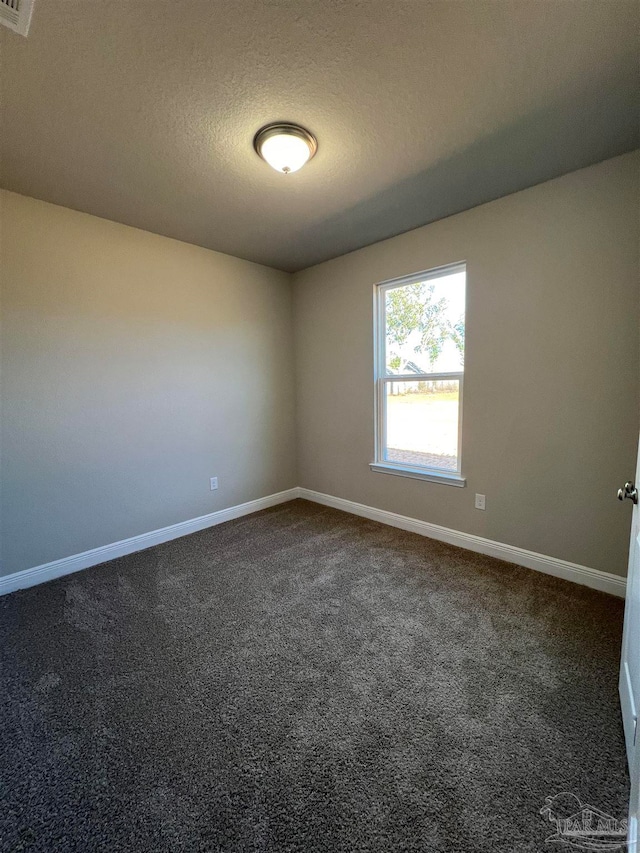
[
  {"x": 68, "y": 565},
  {"x": 603, "y": 581}
]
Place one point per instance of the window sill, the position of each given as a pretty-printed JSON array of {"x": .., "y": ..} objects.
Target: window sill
[{"x": 419, "y": 474}]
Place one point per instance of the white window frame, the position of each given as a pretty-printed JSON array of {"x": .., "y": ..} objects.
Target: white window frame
[{"x": 382, "y": 378}]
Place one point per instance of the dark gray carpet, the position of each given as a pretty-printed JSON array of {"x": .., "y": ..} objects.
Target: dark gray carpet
[{"x": 304, "y": 680}]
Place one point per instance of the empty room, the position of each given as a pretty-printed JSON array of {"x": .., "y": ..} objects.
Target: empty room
[{"x": 319, "y": 422}]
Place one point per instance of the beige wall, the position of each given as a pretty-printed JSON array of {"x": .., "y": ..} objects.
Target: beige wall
[
  {"x": 551, "y": 384},
  {"x": 134, "y": 367}
]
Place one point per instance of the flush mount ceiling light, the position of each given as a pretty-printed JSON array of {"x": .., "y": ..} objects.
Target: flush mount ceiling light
[{"x": 285, "y": 147}]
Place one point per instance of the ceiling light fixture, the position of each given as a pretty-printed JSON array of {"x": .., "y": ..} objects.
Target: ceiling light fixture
[{"x": 285, "y": 147}]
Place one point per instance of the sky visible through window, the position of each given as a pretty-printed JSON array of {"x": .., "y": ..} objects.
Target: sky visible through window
[
  {"x": 424, "y": 335},
  {"x": 449, "y": 292}
]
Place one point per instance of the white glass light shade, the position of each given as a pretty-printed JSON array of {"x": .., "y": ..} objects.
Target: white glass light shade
[
  {"x": 285, "y": 153},
  {"x": 286, "y": 148}
]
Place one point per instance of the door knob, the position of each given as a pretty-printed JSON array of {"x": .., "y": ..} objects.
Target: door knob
[{"x": 629, "y": 491}]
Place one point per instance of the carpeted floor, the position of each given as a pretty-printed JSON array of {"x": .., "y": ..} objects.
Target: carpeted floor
[{"x": 304, "y": 680}]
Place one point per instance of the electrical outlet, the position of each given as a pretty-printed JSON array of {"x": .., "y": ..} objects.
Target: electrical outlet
[
  {"x": 213, "y": 482},
  {"x": 480, "y": 501}
]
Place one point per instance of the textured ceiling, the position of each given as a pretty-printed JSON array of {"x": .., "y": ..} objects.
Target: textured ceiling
[{"x": 144, "y": 112}]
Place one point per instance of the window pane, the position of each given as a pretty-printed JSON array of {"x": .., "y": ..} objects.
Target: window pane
[
  {"x": 422, "y": 423},
  {"x": 425, "y": 325}
]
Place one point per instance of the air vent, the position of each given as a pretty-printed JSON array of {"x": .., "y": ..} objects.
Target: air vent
[{"x": 16, "y": 14}]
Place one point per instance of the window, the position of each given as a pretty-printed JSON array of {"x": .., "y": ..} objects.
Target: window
[{"x": 420, "y": 322}]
